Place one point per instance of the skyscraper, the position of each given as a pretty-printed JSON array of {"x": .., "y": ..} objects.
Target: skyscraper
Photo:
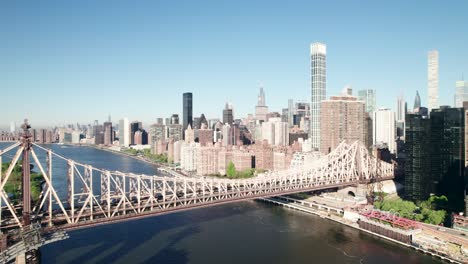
[
  {"x": 401, "y": 108},
  {"x": 228, "y": 116},
  {"x": 175, "y": 119},
  {"x": 418, "y": 182},
  {"x": 108, "y": 134},
  {"x": 290, "y": 112},
  {"x": 400, "y": 117},
  {"x": 433, "y": 79},
  {"x": 124, "y": 132},
  {"x": 318, "y": 56},
  {"x": 417, "y": 101},
  {"x": 384, "y": 128},
  {"x": 261, "y": 110},
  {"x": 448, "y": 154},
  {"x": 134, "y": 127},
  {"x": 368, "y": 97},
  {"x": 261, "y": 98},
  {"x": 461, "y": 93},
  {"x": 187, "y": 110}
]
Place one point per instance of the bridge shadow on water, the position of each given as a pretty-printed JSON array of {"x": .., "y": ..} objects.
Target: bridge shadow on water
[{"x": 147, "y": 240}]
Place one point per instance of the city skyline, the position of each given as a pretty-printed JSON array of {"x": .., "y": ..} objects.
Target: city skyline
[{"x": 88, "y": 79}]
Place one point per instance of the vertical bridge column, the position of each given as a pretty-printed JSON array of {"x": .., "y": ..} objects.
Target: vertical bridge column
[{"x": 26, "y": 141}]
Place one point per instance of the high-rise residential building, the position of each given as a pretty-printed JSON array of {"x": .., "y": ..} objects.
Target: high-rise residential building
[
  {"x": 159, "y": 121},
  {"x": 227, "y": 135},
  {"x": 275, "y": 132},
  {"x": 41, "y": 137},
  {"x": 76, "y": 137},
  {"x": 417, "y": 101},
  {"x": 175, "y": 132},
  {"x": 418, "y": 182},
  {"x": 345, "y": 120},
  {"x": 281, "y": 134},
  {"x": 189, "y": 134},
  {"x": 433, "y": 79},
  {"x": 290, "y": 112},
  {"x": 285, "y": 115},
  {"x": 12, "y": 127},
  {"x": 134, "y": 127},
  {"x": 369, "y": 140},
  {"x": 368, "y": 97},
  {"x": 448, "y": 154},
  {"x": 175, "y": 119},
  {"x": 188, "y": 156},
  {"x": 98, "y": 134},
  {"x": 157, "y": 133},
  {"x": 108, "y": 134},
  {"x": 400, "y": 116},
  {"x": 435, "y": 162},
  {"x": 261, "y": 110},
  {"x": 318, "y": 67},
  {"x": 140, "y": 137},
  {"x": 187, "y": 102},
  {"x": 461, "y": 93},
  {"x": 401, "y": 108},
  {"x": 207, "y": 160},
  {"x": 384, "y": 128},
  {"x": 124, "y": 132},
  {"x": 228, "y": 116},
  {"x": 205, "y": 136},
  {"x": 34, "y": 135}
]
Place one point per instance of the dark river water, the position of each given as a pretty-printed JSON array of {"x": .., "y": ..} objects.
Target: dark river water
[{"x": 245, "y": 232}]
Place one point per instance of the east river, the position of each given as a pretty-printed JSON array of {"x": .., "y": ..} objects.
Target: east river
[{"x": 244, "y": 232}]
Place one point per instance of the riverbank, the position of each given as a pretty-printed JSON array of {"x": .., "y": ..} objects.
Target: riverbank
[
  {"x": 128, "y": 155},
  {"x": 332, "y": 214}
]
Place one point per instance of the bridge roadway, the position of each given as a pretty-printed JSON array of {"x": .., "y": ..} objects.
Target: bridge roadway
[{"x": 167, "y": 207}]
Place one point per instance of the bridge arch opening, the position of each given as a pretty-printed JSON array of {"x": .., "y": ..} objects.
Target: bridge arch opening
[{"x": 351, "y": 194}]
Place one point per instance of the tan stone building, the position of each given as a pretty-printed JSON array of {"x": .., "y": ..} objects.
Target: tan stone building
[
  {"x": 189, "y": 134},
  {"x": 224, "y": 157},
  {"x": 343, "y": 118},
  {"x": 207, "y": 160},
  {"x": 205, "y": 136},
  {"x": 263, "y": 156},
  {"x": 242, "y": 159}
]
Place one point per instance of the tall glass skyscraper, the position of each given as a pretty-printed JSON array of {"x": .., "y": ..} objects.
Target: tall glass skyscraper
[
  {"x": 318, "y": 68},
  {"x": 433, "y": 79},
  {"x": 368, "y": 97},
  {"x": 187, "y": 110}
]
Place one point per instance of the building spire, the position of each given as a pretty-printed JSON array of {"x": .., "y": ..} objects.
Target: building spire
[{"x": 417, "y": 101}]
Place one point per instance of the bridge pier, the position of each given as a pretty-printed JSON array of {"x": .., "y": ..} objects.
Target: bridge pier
[{"x": 31, "y": 257}]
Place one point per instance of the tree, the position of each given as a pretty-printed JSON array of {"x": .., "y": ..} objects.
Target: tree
[
  {"x": 231, "y": 170},
  {"x": 433, "y": 217}
]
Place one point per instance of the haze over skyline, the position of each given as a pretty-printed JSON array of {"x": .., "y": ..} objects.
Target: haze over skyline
[{"x": 78, "y": 62}]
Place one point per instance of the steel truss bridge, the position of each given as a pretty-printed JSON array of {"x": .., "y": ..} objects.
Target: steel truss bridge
[{"x": 94, "y": 196}]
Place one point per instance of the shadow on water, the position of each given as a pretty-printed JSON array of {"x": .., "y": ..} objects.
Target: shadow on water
[
  {"x": 171, "y": 255},
  {"x": 160, "y": 231}
]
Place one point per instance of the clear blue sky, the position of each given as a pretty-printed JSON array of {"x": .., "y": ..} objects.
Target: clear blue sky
[{"x": 76, "y": 61}]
